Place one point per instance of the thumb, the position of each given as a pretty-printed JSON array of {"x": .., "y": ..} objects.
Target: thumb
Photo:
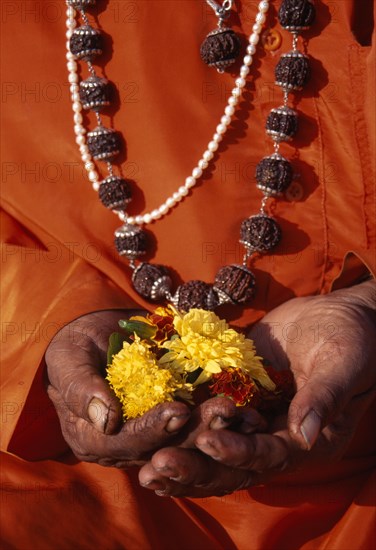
[
  {"x": 74, "y": 372},
  {"x": 323, "y": 390}
]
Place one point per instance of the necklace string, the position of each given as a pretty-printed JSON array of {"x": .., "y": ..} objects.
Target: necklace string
[{"x": 259, "y": 233}]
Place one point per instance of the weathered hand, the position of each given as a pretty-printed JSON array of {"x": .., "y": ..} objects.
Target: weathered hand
[
  {"x": 90, "y": 414},
  {"x": 329, "y": 344}
]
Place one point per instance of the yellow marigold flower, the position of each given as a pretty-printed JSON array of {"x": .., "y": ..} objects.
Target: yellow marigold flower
[
  {"x": 139, "y": 382},
  {"x": 205, "y": 341}
]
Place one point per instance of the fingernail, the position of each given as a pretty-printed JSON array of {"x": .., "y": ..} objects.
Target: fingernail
[
  {"x": 219, "y": 423},
  {"x": 98, "y": 414},
  {"x": 310, "y": 428},
  {"x": 176, "y": 423}
]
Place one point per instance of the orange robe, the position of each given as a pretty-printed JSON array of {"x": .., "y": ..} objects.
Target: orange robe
[{"x": 58, "y": 260}]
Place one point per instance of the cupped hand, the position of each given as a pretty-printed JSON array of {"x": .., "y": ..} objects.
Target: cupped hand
[
  {"x": 329, "y": 344},
  {"x": 89, "y": 412}
]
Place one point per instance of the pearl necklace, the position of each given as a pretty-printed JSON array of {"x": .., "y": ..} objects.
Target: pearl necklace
[
  {"x": 212, "y": 146},
  {"x": 259, "y": 233}
]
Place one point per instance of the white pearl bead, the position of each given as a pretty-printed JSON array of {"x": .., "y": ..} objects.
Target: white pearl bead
[
  {"x": 260, "y": 18},
  {"x": 70, "y": 12},
  {"x": 170, "y": 202},
  {"x": 155, "y": 214},
  {"x": 70, "y": 56},
  {"x": 248, "y": 60},
  {"x": 163, "y": 209},
  {"x": 89, "y": 166},
  {"x": 230, "y": 110},
  {"x": 263, "y": 6},
  {"x": 226, "y": 120},
  {"x": 240, "y": 82},
  {"x": 76, "y": 106},
  {"x": 67, "y": 45},
  {"x": 80, "y": 140},
  {"x": 236, "y": 92},
  {"x": 73, "y": 77},
  {"x": 257, "y": 28},
  {"x": 139, "y": 220},
  {"x": 203, "y": 164},
  {"x": 197, "y": 172},
  {"x": 74, "y": 88},
  {"x": 190, "y": 181},
  {"x": 217, "y": 137},
  {"x": 147, "y": 218},
  {"x": 176, "y": 196},
  {"x": 72, "y": 66},
  {"x": 71, "y": 24},
  {"x": 79, "y": 130},
  {"x": 77, "y": 117},
  {"x": 254, "y": 38},
  {"x": 85, "y": 157},
  {"x": 208, "y": 155},
  {"x": 232, "y": 101},
  {"x": 131, "y": 220},
  {"x": 68, "y": 34},
  {"x": 251, "y": 49},
  {"x": 183, "y": 191},
  {"x": 84, "y": 149},
  {"x": 244, "y": 71},
  {"x": 92, "y": 175},
  {"x": 213, "y": 146},
  {"x": 95, "y": 185}
]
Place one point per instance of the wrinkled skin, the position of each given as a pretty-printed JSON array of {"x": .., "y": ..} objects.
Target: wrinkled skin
[{"x": 327, "y": 342}]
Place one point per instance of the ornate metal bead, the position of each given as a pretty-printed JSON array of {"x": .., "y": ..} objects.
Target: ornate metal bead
[
  {"x": 115, "y": 192},
  {"x": 296, "y": 15},
  {"x": 273, "y": 175},
  {"x": 220, "y": 48},
  {"x": 153, "y": 282},
  {"x": 292, "y": 71},
  {"x": 282, "y": 123},
  {"x": 85, "y": 43},
  {"x": 260, "y": 233},
  {"x": 234, "y": 284},
  {"x": 130, "y": 241},
  {"x": 94, "y": 93},
  {"x": 195, "y": 294},
  {"x": 81, "y": 4},
  {"x": 103, "y": 143}
]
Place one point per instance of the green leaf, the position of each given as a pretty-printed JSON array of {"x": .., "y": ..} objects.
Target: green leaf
[
  {"x": 145, "y": 331},
  {"x": 115, "y": 344}
]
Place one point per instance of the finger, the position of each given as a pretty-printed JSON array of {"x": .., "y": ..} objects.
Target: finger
[
  {"x": 257, "y": 452},
  {"x": 132, "y": 445},
  {"x": 321, "y": 397},
  {"x": 74, "y": 365},
  {"x": 186, "y": 472}
]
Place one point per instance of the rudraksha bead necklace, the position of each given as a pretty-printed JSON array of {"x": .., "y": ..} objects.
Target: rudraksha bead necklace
[{"x": 260, "y": 233}]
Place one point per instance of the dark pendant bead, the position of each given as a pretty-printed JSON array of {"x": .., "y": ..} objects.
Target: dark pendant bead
[
  {"x": 273, "y": 175},
  {"x": 195, "y": 294},
  {"x": 94, "y": 93},
  {"x": 234, "y": 284},
  {"x": 85, "y": 43},
  {"x": 130, "y": 241},
  {"x": 153, "y": 282},
  {"x": 260, "y": 233},
  {"x": 81, "y": 4},
  {"x": 292, "y": 71},
  {"x": 296, "y": 15},
  {"x": 115, "y": 193},
  {"x": 220, "y": 48},
  {"x": 282, "y": 123},
  {"x": 103, "y": 143}
]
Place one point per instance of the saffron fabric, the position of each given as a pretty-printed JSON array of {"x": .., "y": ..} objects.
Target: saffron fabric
[{"x": 59, "y": 261}]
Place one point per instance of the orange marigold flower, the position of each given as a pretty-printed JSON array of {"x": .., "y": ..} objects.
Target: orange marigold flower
[{"x": 235, "y": 384}]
